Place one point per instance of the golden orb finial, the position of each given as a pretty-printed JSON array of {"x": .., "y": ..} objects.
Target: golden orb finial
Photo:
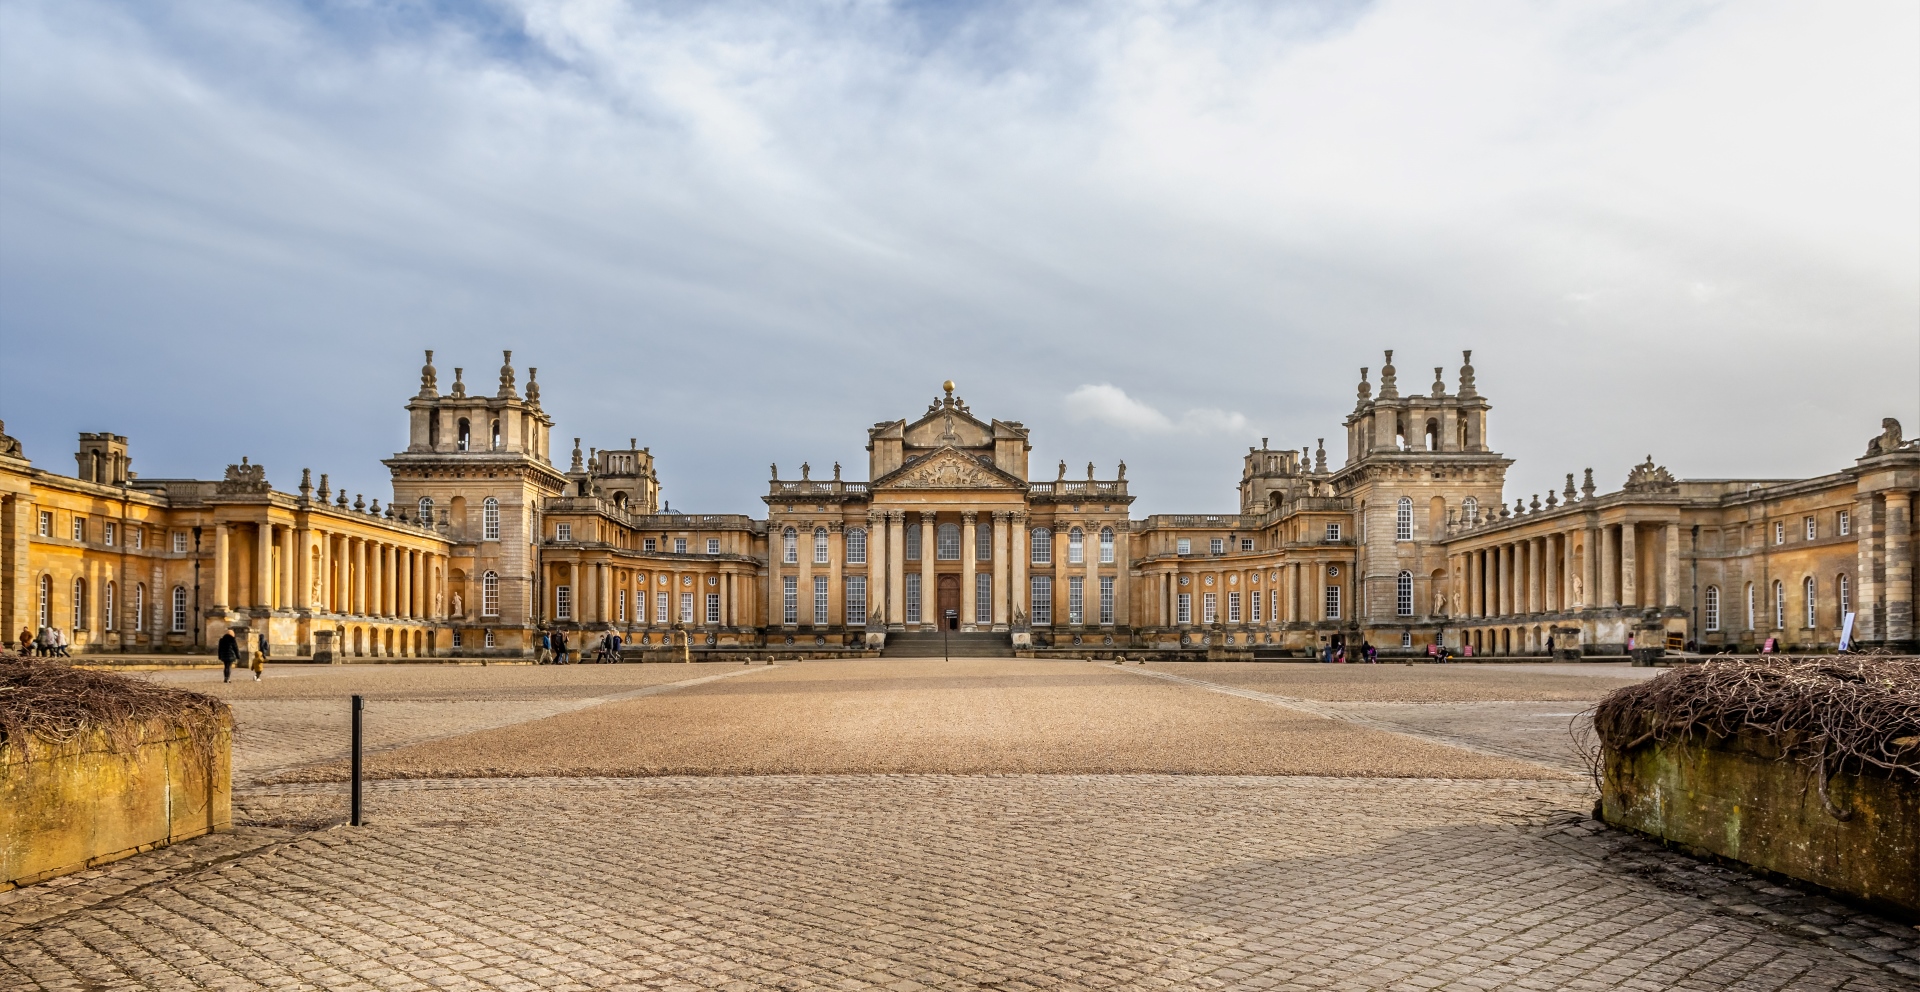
[{"x": 948, "y": 386}]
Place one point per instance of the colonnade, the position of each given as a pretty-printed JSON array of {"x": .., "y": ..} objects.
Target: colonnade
[
  {"x": 1567, "y": 570},
  {"x": 322, "y": 571},
  {"x": 1264, "y": 596},
  {"x": 605, "y": 592}
]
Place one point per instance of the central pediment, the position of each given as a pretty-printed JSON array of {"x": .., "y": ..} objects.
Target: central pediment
[{"x": 947, "y": 468}]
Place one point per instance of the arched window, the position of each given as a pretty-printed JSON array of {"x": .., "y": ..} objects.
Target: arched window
[
  {"x": 179, "y": 624},
  {"x": 1403, "y": 595},
  {"x": 1433, "y": 434},
  {"x": 1779, "y": 605},
  {"x": 857, "y": 546},
  {"x": 1752, "y": 613},
  {"x": 1106, "y": 545},
  {"x": 1470, "y": 509},
  {"x": 490, "y": 594},
  {"x": 426, "y": 509},
  {"x": 1713, "y": 607},
  {"x": 1806, "y": 588},
  {"x": 820, "y": 546},
  {"x": 496, "y": 434},
  {"x": 1042, "y": 546},
  {"x": 790, "y": 546},
  {"x": 466, "y": 434},
  {"x": 140, "y": 606},
  {"x": 1403, "y": 520},
  {"x": 1076, "y": 547},
  {"x": 946, "y": 542},
  {"x": 1841, "y": 595},
  {"x": 79, "y": 604},
  {"x": 490, "y": 519},
  {"x": 107, "y": 604}
]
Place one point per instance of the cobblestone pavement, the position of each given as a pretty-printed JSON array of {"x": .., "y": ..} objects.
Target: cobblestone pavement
[{"x": 957, "y": 882}]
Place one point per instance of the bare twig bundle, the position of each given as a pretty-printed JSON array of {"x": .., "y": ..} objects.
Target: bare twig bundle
[
  {"x": 50, "y": 706},
  {"x": 1834, "y": 714}
]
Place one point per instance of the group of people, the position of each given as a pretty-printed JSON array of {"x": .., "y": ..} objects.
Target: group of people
[
  {"x": 1337, "y": 653},
  {"x": 229, "y": 650},
  {"x": 554, "y": 649},
  {"x": 49, "y": 643}
]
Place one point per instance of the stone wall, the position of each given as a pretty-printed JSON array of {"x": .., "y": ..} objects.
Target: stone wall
[
  {"x": 65, "y": 809},
  {"x": 1736, "y": 798}
]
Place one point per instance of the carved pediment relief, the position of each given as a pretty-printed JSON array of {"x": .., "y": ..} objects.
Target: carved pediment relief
[
  {"x": 947, "y": 469},
  {"x": 1647, "y": 477},
  {"x": 948, "y": 428}
]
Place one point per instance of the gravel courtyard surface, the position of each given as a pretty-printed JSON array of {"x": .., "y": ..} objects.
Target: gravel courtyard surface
[
  {"x": 961, "y": 717},
  {"x": 1400, "y": 862}
]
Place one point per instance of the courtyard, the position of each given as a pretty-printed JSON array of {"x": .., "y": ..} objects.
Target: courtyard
[{"x": 974, "y": 824}]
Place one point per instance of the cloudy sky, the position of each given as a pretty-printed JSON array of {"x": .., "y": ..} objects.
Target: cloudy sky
[{"x": 744, "y": 232}]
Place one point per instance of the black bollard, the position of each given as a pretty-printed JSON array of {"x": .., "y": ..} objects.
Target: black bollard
[{"x": 358, "y": 705}]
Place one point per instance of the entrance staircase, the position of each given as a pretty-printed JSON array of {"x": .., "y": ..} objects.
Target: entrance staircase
[{"x": 926, "y": 644}]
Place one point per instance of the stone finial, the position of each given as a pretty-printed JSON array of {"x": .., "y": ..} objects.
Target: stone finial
[
  {"x": 306, "y": 483},
  {"x": 459, "y": 387},
  {"x": 1466, "y": 373},
  {"x": 1519, "y": 507},
  {"x": 1535, "y": 506},
  {"x": 324, "y": 491},
  {"x": 533, "y": 388},
  {"x": 1364, "y": 391},
  {"x": 359, "y": 502},
  {"x": 373, "y": 507},
  {"x": 506, "y": 375},
  {"x": 389, "y": 510},
  {"x": 1552, "y": 500},
  {"x": 1570, "y": 489},
  {"x": 1587, "y": 487},
  {"x": 342, "y": 503},
  {"x": 1505, "y": 511},
  {"x": 1439, "y": 381},
  {"x": 576, "y": 466},
  {"x": 429, "y": 379},
  {"x": 1320, "y": 456},
  {"x": 632, "y": 442},
  {"x": 1389, "y": 383}
]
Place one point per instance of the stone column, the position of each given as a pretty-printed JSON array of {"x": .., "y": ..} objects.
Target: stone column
[
  {"x": 389, "y": 574},
  {"x": 1002, "y": 567},
  {"x": 403, "y": 583},
  {"x": 876, "y": 570},
  {"x": 803, "y": 589},
  {"x": 1536, "y": 574},
  {"x": 1609, "y": 586},
  {"x": 1869, "y": 622},
  {"x": 1589, "y": 569},
  {"x": 1317, "y": 596},
  {"x": 1670, "y": 580},
  {"x": 222, "y": 563},
  {"x": 263, "y": 566},
  {"x": 1899, "y": 566},
  {"x": 287, "y": 593},
  {"x": 1470, "y": 603},
  {"x": 1017, "y": 561},
  {"x": 300, "y": 550},
  {"x": 1503, "y": 579},
  {"x": 929, "y": 601},
  {"x": 836, "y": 582},
  {"x": 1629, "y": 565},
  {"x": 1090, "y": 596},
  {"x": 896, "y": 570},
  {"x": 573, "y": 590},
  {"x": 969, "y": 530},
  {"x": 359, "y": 578}
]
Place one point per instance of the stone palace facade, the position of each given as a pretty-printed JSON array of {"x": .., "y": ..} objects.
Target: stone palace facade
[{"x": 1411, "y": 541}]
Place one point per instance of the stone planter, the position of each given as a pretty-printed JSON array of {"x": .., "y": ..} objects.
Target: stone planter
[
  {"x": 65, "y": 809},
  {"x": 1737, "y": 798}
]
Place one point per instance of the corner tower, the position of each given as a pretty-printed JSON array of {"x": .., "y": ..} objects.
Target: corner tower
[
  {"x": 478, "y": 467},
  {"x": 1417, "y": 466}
]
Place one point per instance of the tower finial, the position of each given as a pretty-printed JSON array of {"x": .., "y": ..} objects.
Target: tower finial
[
  {"x": 1365, "y": 390},
  {"x": 1466, "y": 373},
  {"x": 576, "y": 467},
  {"x": 533, "y": 388},
  {"x": 1389, "y": 385},
  {"x": 459, "y": 387},
  {"x": 1439, "y": 381},
  {"x": 506, "y": 374},
  {"x": 1320, "y": 456},
  {"x": 429, "y": 378}
]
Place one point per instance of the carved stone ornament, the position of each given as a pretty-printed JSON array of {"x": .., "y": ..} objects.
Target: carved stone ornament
[
  {"x": 244, "y": 478},
  {"x": 948, "y": 469},
  {"x": 1888, "y": 441},
  {"x": 1647, "y": 477}
]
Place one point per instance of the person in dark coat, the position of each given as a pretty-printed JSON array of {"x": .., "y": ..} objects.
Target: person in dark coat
[{"x": 229, "y": 653}]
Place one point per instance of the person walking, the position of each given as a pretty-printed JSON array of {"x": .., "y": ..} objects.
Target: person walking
[
  {"x": 42, "y": 643},
  {"x": 559, "y": 647},
  {"x": 545, "y": 657},
  {"x": 614, "y": 644},
  {"x": 60, "y": 644},
  {"x": 260, "y": 657},
  {"x": 26, "y": 641},
  {"x": 229, "y": 653}
]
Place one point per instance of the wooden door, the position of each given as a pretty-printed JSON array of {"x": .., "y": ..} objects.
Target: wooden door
[{"x": 949, "y": 600}]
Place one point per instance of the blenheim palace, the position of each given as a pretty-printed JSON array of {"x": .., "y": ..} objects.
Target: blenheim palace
[{"x": 1411, "y": 540}]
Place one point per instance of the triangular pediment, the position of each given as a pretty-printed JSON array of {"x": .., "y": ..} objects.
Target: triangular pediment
[{"x": 947, "y": 468}]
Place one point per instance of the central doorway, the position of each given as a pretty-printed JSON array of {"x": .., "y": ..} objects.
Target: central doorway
[{"x": 950, "y": 601}]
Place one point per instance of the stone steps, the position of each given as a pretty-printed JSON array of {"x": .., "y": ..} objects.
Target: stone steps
[{"x": 927, "y": 644}]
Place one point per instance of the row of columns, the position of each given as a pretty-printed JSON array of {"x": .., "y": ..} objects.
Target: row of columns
[
  {"x": 598, "y": 590},
  {"x": 1564, "y": 571},
  {"x": 348, "y": 574},
  {"x": 1299, "y": 596}
]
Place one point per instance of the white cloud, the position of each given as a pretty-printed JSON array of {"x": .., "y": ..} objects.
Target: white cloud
[{"x": 1105, "y": 403}]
